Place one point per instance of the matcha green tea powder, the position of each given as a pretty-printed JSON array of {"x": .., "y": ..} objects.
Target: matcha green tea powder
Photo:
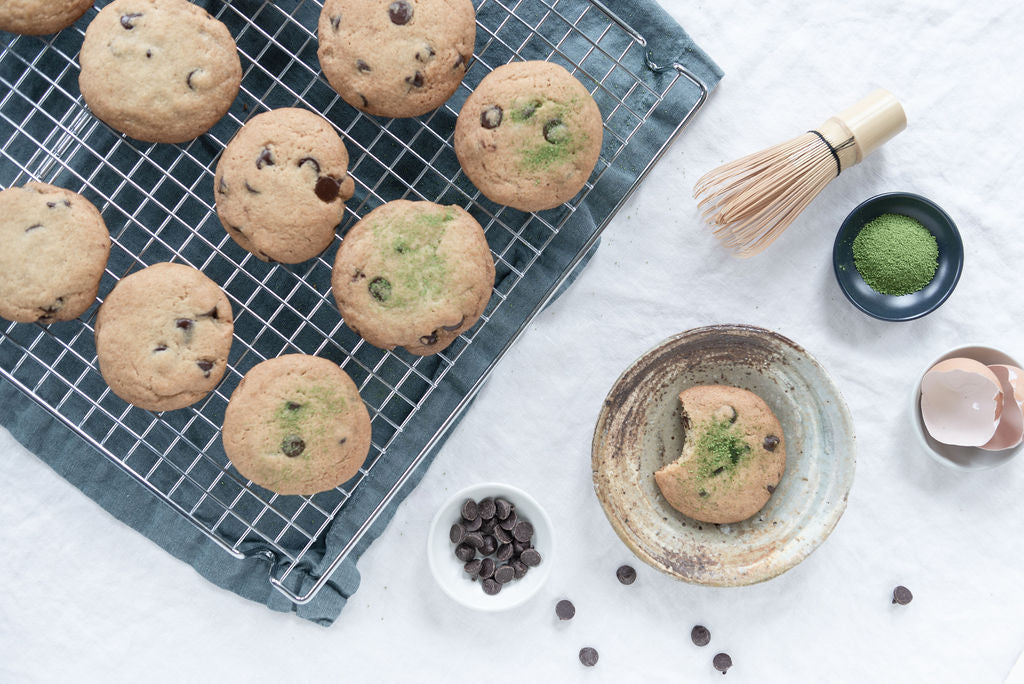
[{"x": 895, "y": 254}]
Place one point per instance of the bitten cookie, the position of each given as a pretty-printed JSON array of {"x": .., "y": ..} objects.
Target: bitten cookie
[
  {"x": 40, "y": 17},
  {"x": 529, "y": 136},
  {"x": 733, "y": 457},
  {"x": 396, "y": 59},
  {"x": 163, "y": 337},
  {"x": 55, "y": 247},
  {"x": 296, "y": 425},
  {"x": 413, "y": 274},
  {"x": 281, "y": 185},
  {"x": 159, "y": 70}
]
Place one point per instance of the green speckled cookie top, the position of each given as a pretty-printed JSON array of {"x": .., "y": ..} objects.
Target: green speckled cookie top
[{"x": 412, "y": 271}]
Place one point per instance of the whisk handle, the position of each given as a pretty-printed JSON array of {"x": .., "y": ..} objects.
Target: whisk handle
[{"x": 859, "y": 130}]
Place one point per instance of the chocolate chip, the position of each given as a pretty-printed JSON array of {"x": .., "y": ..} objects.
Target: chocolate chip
[
  {"x": 502, "y": 508},
  {"x": 565, "y": 610},
  {"x": 149, "y": 54},
  {"x": 501, "y": 535},
  {"x": 522, "y": 531},
  {"x": 487, "y": 508},
  {"x": 504, "y": 552},
  {"x": 342, "y": 441},
  {"x": 292, "y": 446},
  {"x": 519, "y": 547},
  {"x": 128, "y": 20},
  {"x": 465, "y": 552},
  {"x": 700, "y": 635},
  {"x": 237, "y": 230},
  {"x": 901, "y": 595},
  {"x": 771, "y": 442},
  {"x": 222, "y": 187},
  {"x": 474, "y": 524},
  {"x": 509, "y": 522},
  {"x": 472, "y": 568},
  {"x": 185, "y": 324},
  {"x": 770, "y": 488},
  {"x": 293, "y": 406},
  {"x": 520, "y": 569},
  {"x": 380, "y": 289},
  {"x": 491, "y": 117},
  {"x": 36, "y": 226},
  {"x": 702, "y": 493},
  {"x": 490, "y": 544},
  {"x": 310, "y": 162},
  {"x": 363, "y": 66},
  {"x": 425, "y": 54},
  {"x": 188, "y": 79},
  {"x": 504, "y": 574},
  {"x": 487, "y": 568},
  {"x": 475, "y": 539},
  {"x": 205, "y": 366},
  {"x": 400, "y": 12},
  {"x": 252, "y": 190},
  {"x": 51, "y": 205},
  {"x": 626, "y": 574},
  {"x": 416, "y": 80},
  {"x": 718, "y": 471},
  {"x": 529, "y": 109},
  {"x": 457, "y": 533},
  {"x": 531, "y": 557},
  {"x": 459, "y": 61},
  {"x": 588, "y": 656},
  {"x": 160, "y": 348},
  {"x": 722, "y": 662},
  {"x": 266, "y": 158},
  {"x": 366, "y": 103},
  {"x": 556, "y": 132},
  {"x": 469, "y": 510},
  {"x": 336, "y": 21},
  {"x": 491, "y": 587},
  {"x": 327, "y": 188},
  {"x": 725, "y": 413},
  {"x": 453, "y": 328},
  {"x": 488, "y": 526},
  {"x": 428, "y": 340}
]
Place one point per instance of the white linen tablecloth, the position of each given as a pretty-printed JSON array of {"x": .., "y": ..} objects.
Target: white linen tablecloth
[{"x": 953, "y": 538}]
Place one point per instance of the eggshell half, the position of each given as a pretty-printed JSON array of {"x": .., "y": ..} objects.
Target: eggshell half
[
  {"x": 1010, "y": 430},
  {"x": 961, "y": 402}
]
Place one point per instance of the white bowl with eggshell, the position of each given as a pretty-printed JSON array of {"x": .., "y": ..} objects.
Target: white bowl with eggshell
[{"x": 962, "y": 457}]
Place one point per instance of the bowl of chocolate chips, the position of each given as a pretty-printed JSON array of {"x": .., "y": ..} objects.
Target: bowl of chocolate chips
[{"x": 490, "y": 546}]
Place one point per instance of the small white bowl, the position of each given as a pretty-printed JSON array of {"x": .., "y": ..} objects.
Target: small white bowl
[
  {"x": 960, "y": 457},
  {"x": 448, "y": 570}
]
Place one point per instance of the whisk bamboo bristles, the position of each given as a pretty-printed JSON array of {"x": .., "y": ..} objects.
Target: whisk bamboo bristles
[{"x": 750, "y": 201}]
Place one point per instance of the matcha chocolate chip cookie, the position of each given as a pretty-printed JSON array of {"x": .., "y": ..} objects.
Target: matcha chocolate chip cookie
[
  {"x": 281, "y": 185},
  {"x": 163, "y": 337},
  {"x": 40, "y": 17},
  {"x": 413, "y": 274},
  {"x": 733, "y": 457},
  {"x": 396, "y": 58},
  {"x": 55, "y": 247},
  {"x": 159, "y": 70},
  {"x": 529, "y": 136},
  {"x": 296, "y": 425}
]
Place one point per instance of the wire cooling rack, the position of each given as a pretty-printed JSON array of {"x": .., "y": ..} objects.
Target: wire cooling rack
[{"x": 158, "y": 202}]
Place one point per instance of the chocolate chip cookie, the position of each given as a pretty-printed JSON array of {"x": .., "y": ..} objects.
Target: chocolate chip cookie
[
  {"x": 529, "y": 136},
  {"x": 396, "y": 59},
  {"x": 159, "y": 70},
  {"x": 163, "y": 337},
  {"x": 413, "y": 274},
  {"x": 281, "y": 185},
  {"x": 54, "y": 249},
  {"x": 296, "y": 425},
  {"x": 40, "y": 17},
  {"x": 733, "y": 457}
]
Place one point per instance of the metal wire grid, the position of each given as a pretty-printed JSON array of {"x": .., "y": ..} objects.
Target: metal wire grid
[{"x": 158, "y": 202}]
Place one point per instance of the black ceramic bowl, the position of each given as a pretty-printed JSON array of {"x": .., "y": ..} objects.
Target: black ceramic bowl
[{"x": 917, "y": 304}]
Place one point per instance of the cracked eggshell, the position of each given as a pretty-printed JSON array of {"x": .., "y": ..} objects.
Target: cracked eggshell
[
  {"x": 961, "y": 402},
  {"x": 1010, "y": 430}
]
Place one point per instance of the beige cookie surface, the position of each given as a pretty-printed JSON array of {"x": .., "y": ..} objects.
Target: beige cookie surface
[
  {"x": 413, "y": 275},
  {"x": 734, "y": 455},
  {"x": 163, "y": 336},
  {"x": 281, "y": 185},
  {"x": 55, "y": 247},
  {"x": 159, "y": 70},
  {"x": 296, "y": 425},
  {"x": 396, "y": 58},
  {"x": 40, "y": 17},
  {"x": 529, "y": 136}
]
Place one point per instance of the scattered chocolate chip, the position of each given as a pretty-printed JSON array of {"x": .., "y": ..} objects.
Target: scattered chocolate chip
[
  {"x": 310, "y": 162},
  {"x": 475, "y": 539},
  {"x": 901, "y": 595},
  {"x": 488, "y": 526},
  {"x": 469, "y": 510},
  {"x": 529, "y": 109},
  {"x": 453, "y": 328},
  {"x": 509, "y": 522},
  {"x": 502, "y": 507},
  {"x": 474, "y": 524},
  {"x": 491, "y": 587},
  {"x": 363, "y": 66},
  {"x": 502, "y": 535},
  {"x": 522, "y": 531},
  {"x": 51, "y": 205},
  {"x": 188, "y": 79},
  {"x": 459, "y": 61},
  {"x": 252, "y": 190},
  {"x": 465, "y": 552},
  {"x": 293, "y": 406},
  {"x": 222, "y": 187},
  {"x": 770, "y": 488},
  {"x": 520, "y": 569},
  {"x": 490, "y": 544},
  {"x": 504, "y": 552},
  {"x": 416, "y": 80},
  {"x": 266, "y": 158},
  {"x": 504, "y": 574},
  {"x": 292, "y": 446},
  {"x": 531, "y": 557},
  {"x": 722, "y": 662},
  {"x": 400, "y": 12},
  {"x": 185, "y": 324},
  {"x": 149, "y": 54},
  {"x": 771, "y": 442},
  {"x": 428, "y": 340},
  {"x": 565, "y": 610},
  {"x": 472, "y": 568},
  {"x": 700, "y": 635},
  {"x": 518, "y": 547},
  {"x": 380, "y": 289},
  {"x": 366, "y": 103},
  {"x": 491, "y": 117},
  {"x": 702, "y": 493},
  {"x": 426, "y": 54},
  {"x": 626, "y": 574},
  {"x": 487, "y": 568},
  {"x": 37, "y": 226},
  {"x": 487, "y": 508},
  {"x": 212, "y": 313},
  {"x": 336, "y": 21},
  {"x": 718, "y": 471},
  {"x": 556, "y": 132},
  {"x": 160, "y": 348},
  {"x": 588, "y": 656},
  {"x": 457, "y": 533},
  {"x": 205, "y": 366},
  {"x": 128, "y": 20},
  {"x": 237, "y": 230},
  {"x": 327, "y": 188},
  {"x": 725, "y": 412},
  {"x": 342, "y": 441}
]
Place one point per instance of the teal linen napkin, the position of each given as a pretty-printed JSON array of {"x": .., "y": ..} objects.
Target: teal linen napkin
[{"x": 126, "y": 499}]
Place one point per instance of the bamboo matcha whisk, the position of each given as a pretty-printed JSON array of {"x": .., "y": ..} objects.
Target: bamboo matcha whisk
[{"x": 752, "y": 200}]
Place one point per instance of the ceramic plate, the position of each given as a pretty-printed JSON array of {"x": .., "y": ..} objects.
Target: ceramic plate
[{"x": 639, "y": 430}]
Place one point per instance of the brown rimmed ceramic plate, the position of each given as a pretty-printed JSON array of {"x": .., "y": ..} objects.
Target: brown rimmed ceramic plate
[{"x": 639, "y": 430}]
